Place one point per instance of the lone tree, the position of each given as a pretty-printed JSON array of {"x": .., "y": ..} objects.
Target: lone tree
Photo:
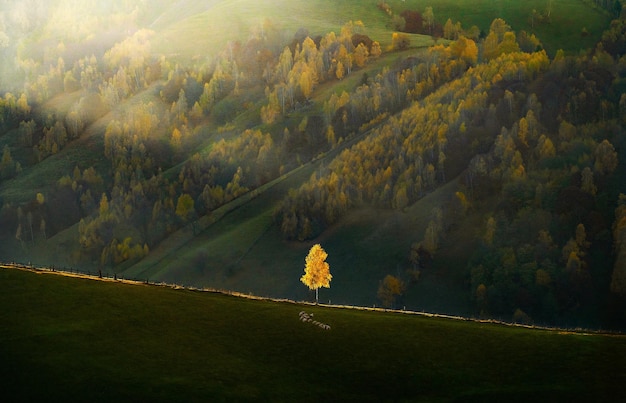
[
  {"x": 389, "y": 289},
  {"x": 316, "y": 271}
]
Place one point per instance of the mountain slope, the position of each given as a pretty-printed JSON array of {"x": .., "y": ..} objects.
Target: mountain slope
[{"x": 200, "y": 104}]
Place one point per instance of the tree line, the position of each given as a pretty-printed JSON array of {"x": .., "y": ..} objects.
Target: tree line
[
  {"x": 126, "y": 205},
  {"x": 537, "y": 138}
]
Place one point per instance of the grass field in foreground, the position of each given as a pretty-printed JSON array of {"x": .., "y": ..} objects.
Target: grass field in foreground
[{"x": 85, "y": 340}]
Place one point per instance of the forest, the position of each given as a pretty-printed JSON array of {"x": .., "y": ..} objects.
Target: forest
[{"x": 113, "y": 146}]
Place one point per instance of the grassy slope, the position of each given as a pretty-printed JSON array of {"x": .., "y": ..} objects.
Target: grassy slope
[
  {"x": 104, "y": 341},
  {"x": 232, "y": 19},
  {"x": 244, "y": 251},
  {"x": 228, "y": 19},
  {"x": 568, "y": 18}
]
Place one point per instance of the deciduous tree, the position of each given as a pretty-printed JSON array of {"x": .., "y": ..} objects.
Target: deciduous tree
[
  {"x": 400, "y": 41},
  {"x": 6, "y": 163},
  {"x": 390, "y": 288},
  {"x": 429, "y": 18},
  {"x": 449, "y": 30},
  {"x": 316, "y": 270},
  {"x": 360, "y": 55},
  {"x": 185, "y": 207},
  {"x": 606, "y": 157},
  {"x": 377, "y": 51},
  {"x": 586, "y": 180}
]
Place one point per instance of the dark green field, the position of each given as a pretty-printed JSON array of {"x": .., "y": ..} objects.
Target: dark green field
[{"x": 82, "y": 340}]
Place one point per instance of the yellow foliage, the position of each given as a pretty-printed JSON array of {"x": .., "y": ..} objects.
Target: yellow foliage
[
  {"x": 339, "y": 72},
  {"x": 520, "y": 316},
  {"x": 360, "y": 55},
  {"x": 122, "y": 251},
  {"x": 545, "y": 147},
  {"x": 176, "y": 140},
  {"x": 104, "y": 205},
  {"x": 481, "y": 293},
  {"x": 466, "y": 50},
  {"x": 508, "y": 44},
  {"x": 542, "y": 277},
  {"x": 376, "y": 50},
  {"x": 22, "y": 104},
  {"x": 400, "y": 41},
  {"x": 519, "y": 172},
  {"x": 464, "y": 203},
  {"x": 316, "y": 271},
  {"x": 184, "y": 206},
  {"x": 389, "y": 288}
]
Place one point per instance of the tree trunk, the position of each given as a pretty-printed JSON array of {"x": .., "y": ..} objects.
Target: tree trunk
[{"x": 316, "y": 295}]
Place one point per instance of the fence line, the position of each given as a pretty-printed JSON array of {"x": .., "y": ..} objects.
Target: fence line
[{"x": 108, "y": 276}]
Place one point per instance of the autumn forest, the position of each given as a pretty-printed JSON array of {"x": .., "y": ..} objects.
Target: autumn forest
[{"x": 467, "y": 164}]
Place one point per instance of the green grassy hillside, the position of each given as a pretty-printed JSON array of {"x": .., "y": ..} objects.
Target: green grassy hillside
[
  {"x": 89, "y": 340},
  {"x": 224, "y": 20},
  {"x": 245, "y": 251},
  {"x": 563, "y": 31},
  {"x": 227, "y": 20}
]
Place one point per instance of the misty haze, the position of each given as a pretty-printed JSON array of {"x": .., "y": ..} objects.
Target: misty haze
[{"x": 454, "y": 157}]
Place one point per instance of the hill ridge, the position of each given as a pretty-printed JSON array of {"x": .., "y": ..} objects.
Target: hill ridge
[
  {"x": 105, "y": 277},
  {"x": 98, "y": 341}
]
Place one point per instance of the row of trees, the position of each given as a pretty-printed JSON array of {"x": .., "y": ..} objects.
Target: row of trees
[
  {"x": 546, "y": 251},
  {"x": 545, "y": 157},
  {"x": 614, "y": 7},
  {"x": 412, "y": 21},
  {"x": 12, "y": 110},
  {"x": 144, "y": 206},
  {"x": 141, "y": 213},
  {"x": 298, "y": 71},
  {"x": 536, "y": 252},
  {"x": 397, "y": 163}
]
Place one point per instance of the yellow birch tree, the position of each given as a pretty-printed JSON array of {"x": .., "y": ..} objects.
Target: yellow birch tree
[{"x": 316, "y": 271}]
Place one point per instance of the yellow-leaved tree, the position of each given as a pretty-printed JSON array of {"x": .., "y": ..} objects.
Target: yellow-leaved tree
[
  {"x": 316, "y": 270},
  {"x": 389, "y": 289}
]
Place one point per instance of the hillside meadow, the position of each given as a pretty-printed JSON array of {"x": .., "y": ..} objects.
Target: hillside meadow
[
  {"x": 189, "y": 111},
  {"x": 222, "y": 21},
  {"x": 86, "y": 340}
]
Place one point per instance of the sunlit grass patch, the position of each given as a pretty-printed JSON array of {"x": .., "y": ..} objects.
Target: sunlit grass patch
[{"x": 232, "y": 20}]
